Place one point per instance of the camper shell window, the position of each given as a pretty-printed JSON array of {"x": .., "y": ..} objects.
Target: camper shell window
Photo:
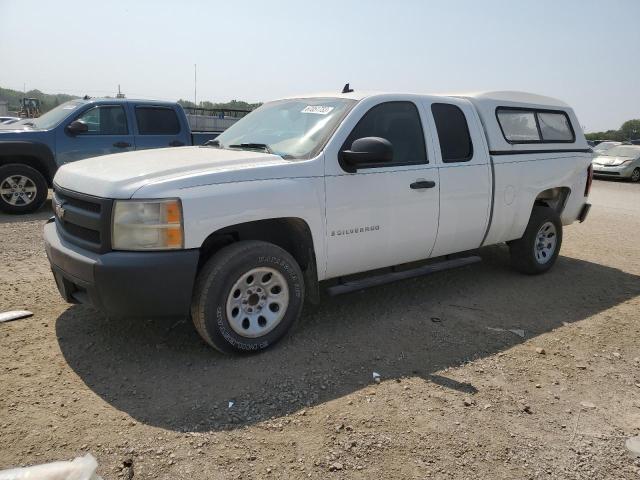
[{"x": 528, "y": 125}]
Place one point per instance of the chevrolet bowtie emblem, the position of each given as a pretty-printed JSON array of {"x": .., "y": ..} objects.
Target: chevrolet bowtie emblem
[{"x": 60, "y": 211}]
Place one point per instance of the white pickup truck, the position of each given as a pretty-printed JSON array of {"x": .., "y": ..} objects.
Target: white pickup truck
[{"x": 304, "y": 190}]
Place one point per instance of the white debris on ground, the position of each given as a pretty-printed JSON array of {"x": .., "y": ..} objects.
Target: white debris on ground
[
  {"x": 516, "y": 331},
  {"x": 14, "y": 315},
  {"x": 80, "y": 468},
  {"x": 633, "y": 445}
]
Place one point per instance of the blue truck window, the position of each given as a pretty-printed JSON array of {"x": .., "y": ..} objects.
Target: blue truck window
[
  {"x": 105, "y": 120},
  {"x": 157, "y": 121}
]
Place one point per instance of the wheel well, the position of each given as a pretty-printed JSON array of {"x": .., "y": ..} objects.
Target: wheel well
[
  {"x": 290, "y": 234},
  {"x": 33, "y": 162},
  {"x": 555, "y": 198}
]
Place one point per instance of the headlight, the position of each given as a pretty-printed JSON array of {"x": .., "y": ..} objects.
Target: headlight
[{"x": 147, "y": 225}]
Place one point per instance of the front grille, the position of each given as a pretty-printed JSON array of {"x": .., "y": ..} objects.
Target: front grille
[
  {"x": 83, "y": 219},
  {"x": 605, "y": 172}
]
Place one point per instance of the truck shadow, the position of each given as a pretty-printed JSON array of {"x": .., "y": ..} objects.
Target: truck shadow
[
  {"x": 44, "y": 213},
  {"x": 162, "y": 374}
]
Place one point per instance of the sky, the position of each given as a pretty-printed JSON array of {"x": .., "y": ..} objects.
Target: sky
[{"x": 585, "y": 52}]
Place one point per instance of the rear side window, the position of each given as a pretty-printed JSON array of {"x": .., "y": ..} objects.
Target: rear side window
[
  {"x": 535, "y": 126},
  {"x": 453, "y": 133},
  {"x": 157, "y": 121},
  {"x": 398, "y": 122}
]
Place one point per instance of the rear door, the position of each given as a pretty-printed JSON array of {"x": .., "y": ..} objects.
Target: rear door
[
  {"x": 465, "y": 175},
  {"x": 387, "y": 213},
  {"x": 108, "y": 132},
  {"x": 159, "y": 126}
]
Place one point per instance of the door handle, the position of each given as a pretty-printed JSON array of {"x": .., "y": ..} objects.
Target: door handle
[
  {"x": 121, "y": 144},
  {"x": 420, "y": 184},
  {"x": 176, "y": 143}
]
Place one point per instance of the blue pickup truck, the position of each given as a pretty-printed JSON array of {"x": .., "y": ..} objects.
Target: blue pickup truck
[{"x": 32, "y": 150}]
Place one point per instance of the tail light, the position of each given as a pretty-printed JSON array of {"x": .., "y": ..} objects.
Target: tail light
[{"x": 587, "y": 187}]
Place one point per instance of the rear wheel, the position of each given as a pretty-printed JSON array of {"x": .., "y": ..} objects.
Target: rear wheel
[
  {"x": 537, "y": 250},
  {"x": 23, "y": 189},
  {"x": 247, "y": 296},
  {"x": 635, "y": 175}
]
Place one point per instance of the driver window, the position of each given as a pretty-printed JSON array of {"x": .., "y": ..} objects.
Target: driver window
[
  {"x": 107, "y": 120},
  {"x": 398, "y": 122}
]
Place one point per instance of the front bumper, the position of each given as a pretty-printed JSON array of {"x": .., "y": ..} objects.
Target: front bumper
[
  {"x": 620, "y": 171},
  {"x": 123, "y": 284}
]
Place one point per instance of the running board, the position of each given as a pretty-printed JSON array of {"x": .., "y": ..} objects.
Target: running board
[{"x": 354, "y": 285}]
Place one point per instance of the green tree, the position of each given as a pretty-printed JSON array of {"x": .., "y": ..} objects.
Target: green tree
[{"x": 630, "y": 130}]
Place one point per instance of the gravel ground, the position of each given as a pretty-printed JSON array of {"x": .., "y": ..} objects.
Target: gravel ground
[{"x": 461, "y": 395}]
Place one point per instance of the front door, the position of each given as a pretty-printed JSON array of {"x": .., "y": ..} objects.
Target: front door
[
  {"x": 108, "y": 132},
  {"x": 387, "y": 213}
]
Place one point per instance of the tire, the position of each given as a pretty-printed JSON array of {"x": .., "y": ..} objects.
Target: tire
[
  {"x": 531, "y": 253},
  {"x": 635, "y": 175},
  {"x": 234, "y": 304},
  {"x": 23, "y": 189}
]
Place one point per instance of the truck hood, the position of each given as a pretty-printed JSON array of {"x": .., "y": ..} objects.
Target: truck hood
[
  {"x": 17, "y": 127},
  {"x": 122, "y": 174},
  {"x": 8, "y": 134}
]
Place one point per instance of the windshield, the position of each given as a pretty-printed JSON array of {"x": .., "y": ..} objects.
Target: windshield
[
  {"x": 623, "y": 151},
  {"x": 297, "y": 128},
  {"x": 53, "y": 117}
]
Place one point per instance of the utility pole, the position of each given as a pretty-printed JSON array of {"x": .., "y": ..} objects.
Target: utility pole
[{"x": 195, "y": 84}]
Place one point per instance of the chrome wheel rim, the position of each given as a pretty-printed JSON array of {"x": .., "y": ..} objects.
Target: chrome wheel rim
[
  {"x": 18, "y": 190},
  {"x": 546, "y": 241},
  {"x": 257, "y": 302}
]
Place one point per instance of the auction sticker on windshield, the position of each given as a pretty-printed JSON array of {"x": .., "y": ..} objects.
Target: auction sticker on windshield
[{"x": 318, "y": 109}]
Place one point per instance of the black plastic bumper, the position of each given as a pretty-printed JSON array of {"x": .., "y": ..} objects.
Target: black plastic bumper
[
  {"x": 584, "y": 212},
  {"x": 123, "y": 284}
]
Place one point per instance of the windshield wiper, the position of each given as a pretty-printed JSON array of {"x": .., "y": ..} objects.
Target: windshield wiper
[
  {"x": 212, "y": 143},
  {"x": 253, "y": 146}
]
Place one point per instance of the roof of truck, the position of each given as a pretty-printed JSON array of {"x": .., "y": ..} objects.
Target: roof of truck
[
  {"x": 487, "y": 105},
  {"x": 515, "y": 97},
  {"x": 497, "y": 96}
]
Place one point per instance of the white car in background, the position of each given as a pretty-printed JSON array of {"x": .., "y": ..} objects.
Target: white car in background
[
  {"x": 604, "y": 146},
  {"x": 621, "y": 161}
]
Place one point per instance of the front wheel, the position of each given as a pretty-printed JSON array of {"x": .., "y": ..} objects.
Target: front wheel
[
  {"x": 635, "y": 175},
  {"x": 537, "y": 250},
  {"x": 247, "y": 296},
  {"x": 23, "y": 189}
]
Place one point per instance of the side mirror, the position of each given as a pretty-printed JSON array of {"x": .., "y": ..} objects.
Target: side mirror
[
  {"x": 367, "y": 151},
  {"x": 76, "y": 127}
]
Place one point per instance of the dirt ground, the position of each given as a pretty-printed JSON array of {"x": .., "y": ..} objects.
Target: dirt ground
[{"x": 461, "y": 395}]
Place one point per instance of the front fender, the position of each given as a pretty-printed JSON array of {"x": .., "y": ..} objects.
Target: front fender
[
  {"x": 209, "y": 208},
  {"x": 37, "y": 154}
]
